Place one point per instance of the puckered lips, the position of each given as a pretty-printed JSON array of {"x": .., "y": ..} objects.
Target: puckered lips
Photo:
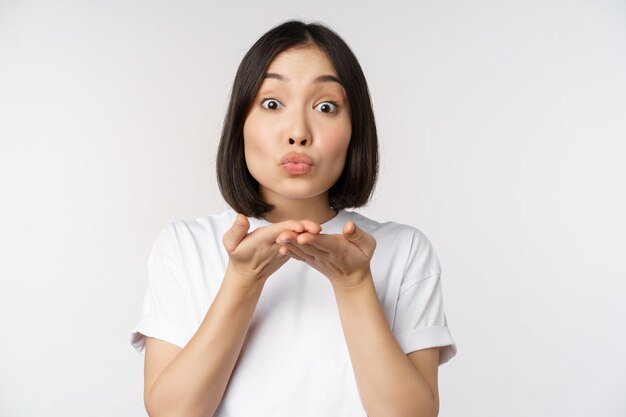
[{"x": 296, "y": 163}]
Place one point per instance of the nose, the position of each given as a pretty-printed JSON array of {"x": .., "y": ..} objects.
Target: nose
[
  {"x": 299, "y": 132},
  {"x": 302, "y": 141}
]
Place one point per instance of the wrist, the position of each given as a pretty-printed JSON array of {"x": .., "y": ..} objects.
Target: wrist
[
  {"x": 242, "y": 281},
  {"x": 353, "y": 281}
]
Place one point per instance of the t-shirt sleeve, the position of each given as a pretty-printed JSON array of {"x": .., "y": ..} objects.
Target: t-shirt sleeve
[
  {"x": 420, "y": 321},
  {"x": 164, "y": 313}
]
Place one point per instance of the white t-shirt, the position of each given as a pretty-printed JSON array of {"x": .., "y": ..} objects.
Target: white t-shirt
[{"x": 295, "y": 360}]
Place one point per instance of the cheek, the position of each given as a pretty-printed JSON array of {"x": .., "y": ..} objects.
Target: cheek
[
  {"x": 250, "y": 126},
  {"x": 337, "y": 140},
  {"x": 257, "y": 134},
  {"x": 253, "y": 147},
  {"x": 253, "y": 135}
]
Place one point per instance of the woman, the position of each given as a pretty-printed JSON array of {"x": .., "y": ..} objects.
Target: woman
[{"x": 239, "y": 318}]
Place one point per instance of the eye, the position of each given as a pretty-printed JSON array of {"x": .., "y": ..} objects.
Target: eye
[
  {"x": 272, "y": 103},
  {"x": 327, "y": 107}
]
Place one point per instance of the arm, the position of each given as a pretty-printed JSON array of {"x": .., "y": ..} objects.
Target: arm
[
  {"x": 389, "y": 383},
  {"x": 193, "y": 383}
]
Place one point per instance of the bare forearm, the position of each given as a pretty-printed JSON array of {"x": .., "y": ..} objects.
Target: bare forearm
[
  {"x": 388, "y": 382},
  {"x": 193, "y": 384}
]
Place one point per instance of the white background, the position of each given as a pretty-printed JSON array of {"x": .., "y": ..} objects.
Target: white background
[{"x": 502, "y": 128}]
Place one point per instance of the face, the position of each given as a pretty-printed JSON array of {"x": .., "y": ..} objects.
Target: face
[{"x": 300, "y": 109}]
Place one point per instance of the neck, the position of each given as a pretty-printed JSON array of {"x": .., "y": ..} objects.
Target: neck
[{"x": 315, "y": 209}]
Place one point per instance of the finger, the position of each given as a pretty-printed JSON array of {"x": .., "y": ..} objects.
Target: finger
[
  {"x": 358, "y": 236},
  {"x": 312, "y": 251},
  {"x": 322, "y": 242},
  {"x": 298, "y": 252},
  {"x": 311, "y": 226},
  {"x": 280, "y": 259},
  {"x": 236, "y": 233},
  {"x": 352, "y": 232},
  {"x": 276, "y": 249},
  {"x": 284, "y": 257},
  {"x": 283, "y": 250},
  {"x": 271, "y": 232},
  {"x": 293, "y": 255},
  {"x": 286, "y": 236}
]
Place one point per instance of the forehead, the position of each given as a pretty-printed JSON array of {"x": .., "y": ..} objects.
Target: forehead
[{"x": 302, "y": 63}]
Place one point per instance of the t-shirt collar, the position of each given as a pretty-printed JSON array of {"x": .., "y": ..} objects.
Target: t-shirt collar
[{"x": 332, "y": 226}]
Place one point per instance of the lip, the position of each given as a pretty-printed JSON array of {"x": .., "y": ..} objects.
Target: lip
[
  {"x": 296, "y": 163},
  {"x": 296, "y": 158},
  {"x": 296, "y": 169}
]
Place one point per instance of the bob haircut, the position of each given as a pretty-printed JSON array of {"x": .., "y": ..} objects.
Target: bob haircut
[{"x": 358, "y": 179}]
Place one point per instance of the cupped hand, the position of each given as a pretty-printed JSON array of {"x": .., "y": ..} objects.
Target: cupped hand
[
  {"x": 254, "y": 256},
  {"x": 343, "y": 258}
]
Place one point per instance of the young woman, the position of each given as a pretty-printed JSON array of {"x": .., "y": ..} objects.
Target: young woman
[{"x": 287, "y": 304}]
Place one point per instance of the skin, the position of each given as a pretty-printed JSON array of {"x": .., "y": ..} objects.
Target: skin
[
  {"x": 293, "y": 123},
  {"x": 294, "y": 113},
  {"x": 390, "y": 382},
  {"x": 303, "y": 115}
]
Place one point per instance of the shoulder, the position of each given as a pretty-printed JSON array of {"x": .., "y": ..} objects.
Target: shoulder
[
  {"x": 183, "y": 236},
  {"x": 401, "y": 241},
  {"x": 405, "y": 233},
  {"x": 210, "y": 223}
]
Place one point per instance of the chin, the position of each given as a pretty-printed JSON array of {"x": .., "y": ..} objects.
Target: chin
[
  {"x": 295, "y": 193},
  {"x": 299, "y": 195}
]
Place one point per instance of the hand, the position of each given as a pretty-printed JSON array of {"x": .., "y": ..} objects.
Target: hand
[
  {"x": 253, "y": 257},
  {"x": 343, "y": 258}
]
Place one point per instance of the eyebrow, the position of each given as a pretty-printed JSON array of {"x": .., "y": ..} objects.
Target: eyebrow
[{"x": 320, "y": 79}]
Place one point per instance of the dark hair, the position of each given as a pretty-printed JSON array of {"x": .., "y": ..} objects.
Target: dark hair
[{"x": 358, "y": 179}]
